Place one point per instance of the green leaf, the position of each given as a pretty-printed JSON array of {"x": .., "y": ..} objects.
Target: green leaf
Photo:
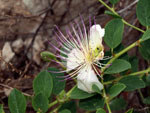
[
  {"x": 146, "y": 79},
  {"x": 134, "y": 63},
  {"x": 147, "y": 100},
  {"x": 114, "y": 1},
  {"x": 114, "y": 33},
  {"x": 144, "y": 49},
  {"x": 118, "y": 104},
  {"x": 43, "y": 83},
  {"x": 58, "y": 84},
  {"x": 118, "y": 66},
  {"x": 16, "y": 102},
  {"x": 79, "y": 94},
  {"x": 100, "y": 110},
  {"x": 142, "y": 11},
  {"x": 146, "y": 35},
  {"x": 132, "y": 83},
  {"x": 116, "y": 89},
  {"x": 96, "y": 89},
  {"x": 1, "y": 108},
  {"x": 92, "y": 103},
  {"x": 112, "y": 14},
  {"x": 129, "y": 111},
  {"x": 40, "y": 103},
  {"x": 70, "y": 106},
  {"x": 47, "y": 56},
  {"x": 65, "y": 111}
]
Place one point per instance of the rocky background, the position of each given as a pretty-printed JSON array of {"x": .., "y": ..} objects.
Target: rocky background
[{"x": 25, "y": 27}]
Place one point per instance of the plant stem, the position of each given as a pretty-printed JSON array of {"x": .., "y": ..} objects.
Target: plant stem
[
  {"x": 125, "y": 22},
  {"x": 119, "y": 54},
  {"x": 132, "y": 74},
  {"x": 68, "y": 94},
  {"x": 106, "y": 98}
]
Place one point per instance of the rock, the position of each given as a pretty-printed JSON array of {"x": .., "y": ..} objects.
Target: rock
[
  {"x": 18, "y": 45},
  {"x": 36, "y": 6},
  {"x": 38, "y": 46},
  {"x": 7, "y": 52}
]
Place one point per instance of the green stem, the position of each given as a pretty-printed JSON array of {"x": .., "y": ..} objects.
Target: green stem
[
  {"x": 106, "y": 99},
  {"x": 113, "y": 11},
  {"x": 132, "y": 74},
  {"x": 68, "y": 94},
  {"x": 119, "y": 54}
]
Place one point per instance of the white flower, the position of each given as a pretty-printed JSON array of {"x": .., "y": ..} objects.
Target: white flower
[{"x": 83, "y": 53}]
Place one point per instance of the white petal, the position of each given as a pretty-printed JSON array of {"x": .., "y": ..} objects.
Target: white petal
[
  {"x": 86, "y": 78},
  {"x": 75, "y": 58},
  {"x": 96, "y": 34}
]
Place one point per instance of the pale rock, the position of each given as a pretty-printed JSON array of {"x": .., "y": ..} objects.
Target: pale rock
[
  {"x": 36, "y": 6},
  {"x": 37, "y": 48},
  {"x": 18, "y": 45},
  {"x": 7, "y": 52}
]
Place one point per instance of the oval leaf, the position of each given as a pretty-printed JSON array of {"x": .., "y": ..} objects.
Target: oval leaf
[
  {"x": 132, "y": 83},
  {"x": 58, "y": 82},
  {"x": 144, "y": 49},
  {"x": 65, "y": 111},
  {"x": 43, "y": 83},
  {"x": 118, "y": 66},
  {"x": 40, "y": 103},
  {"x": 92, "y": 103},
  {"x": 100, "y": 110},
  {"x": 113, "y": 33},
  {"x": 16, "y": 102},
  {"x": 142, "y": 11},
  {"x": 116, "y": 89},
  {"x": 146, "y": 35},
  {"x": 96, "y": 89},
  {"x": 47, "y": 56},
  {"x": 79, "y": 94},
  {"x": 113, "y": 1},
  {"x": 118, "y": 104}
]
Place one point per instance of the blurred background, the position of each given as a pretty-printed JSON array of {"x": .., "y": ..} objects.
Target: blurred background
[{"x": 26, "y": 25}]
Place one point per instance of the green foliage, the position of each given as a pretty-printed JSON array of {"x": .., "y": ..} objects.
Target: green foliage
[
  {"x": 134, "y": 63},
  {"x": 113, "y": 33},
  {"x": 100, "y": 110},
  {"x": 142, "y": 11},
  {"x": 40, "y": 103},
  {"x": 96, "y": 89},
  {"x": 118, "y": 104},
  {"x": 114, "y": 1},
  {"x": 92, "y": 103},
  {"x": 146, "y": 35},
  {"x": 129, "y": 111},
  {"x": 16, "y": 102},
  {"x": 58, "y": 84},
  {"x": 1, "y": 108},
  {"x": 112, "y": 14},
  {"x": 118, "y": 66},
  {"x": 79, "y": 94},
  {"x": 144, "y": 49},
  {"x": 132, "y": 83},
  {"x": 147, "y": 80},
  {"x": 115, "y": 90},
  {"x": 47, "y": 56},
  {"x": 70, "y": 106},
  {"x": 43, "y": 83},
  {"x": 147, "y": 100},
  {"x": 65, "y": 111}
]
